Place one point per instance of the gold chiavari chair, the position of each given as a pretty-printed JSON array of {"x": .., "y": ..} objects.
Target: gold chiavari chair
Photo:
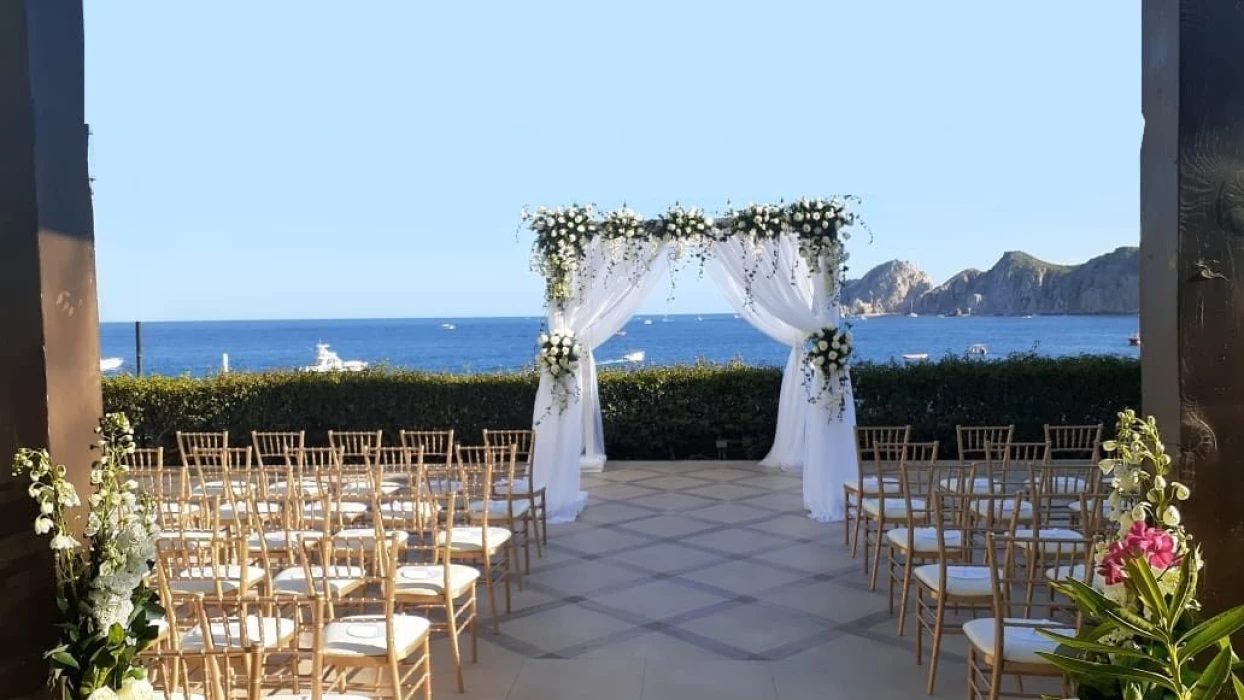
[
  {"x": 431, "y": 584},
  {"x": 355, "y": 444},
  {"x": 524, "y": 478},
  {"x": 972, "y": 440},
  {"x": 395, "y": 463},
  {"x": 916, "y": 541},
  {"x": 367, "y": 643},
  {"x": 309, "y": 469},
  {"x": 1013, "y": 466},
  {"x": 330, "y": 567},
  {"x": 960, "y": 580},
  {"x": 241, "y": 622},
  {"x": 271, "y": 446},
  {"x": 214, "y": 564},
  {"x": 202, "y": 674},
  {"x": 402, "y": 516},
  {"x": 1009, "y": 642},
  {"x": 188, "y": 442},
  {"x": 1074, "y": 442},
  {"x": 506, "y": 506},
  {"x": 219, "y": 471},
  {"x": 481, "y": 543},
  {"x": 882, "y": 512},
  {"x": 438, "y": 445},
  {"x": 284, "y": 534},
  {"x": 865, "y": 438}
]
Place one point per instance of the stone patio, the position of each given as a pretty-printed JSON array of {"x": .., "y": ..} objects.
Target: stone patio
[{"x": 698, "y": 580}]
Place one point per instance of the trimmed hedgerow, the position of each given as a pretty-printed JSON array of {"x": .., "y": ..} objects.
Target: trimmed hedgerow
[{"x": 653, "y": 413}]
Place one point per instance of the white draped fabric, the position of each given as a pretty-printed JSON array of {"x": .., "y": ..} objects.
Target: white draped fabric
[
  {"x": 787, "y": 303},
  {"x": 609, "y": 290}
]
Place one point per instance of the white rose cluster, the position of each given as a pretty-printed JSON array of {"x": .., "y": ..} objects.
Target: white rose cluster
[
  {"x": 758, "y": 221},
  {"x": 625, "y": 224},
  {"x": 559, "y": 353},
  {"x": 562, "y": 236},
  {"x": 680, "y": 224},
  {"x": 829, "y": 349},
  {"x": 821, "y": 226}
]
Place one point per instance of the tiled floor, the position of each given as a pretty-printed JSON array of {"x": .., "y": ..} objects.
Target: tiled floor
[{"x": 698, "y": 580}]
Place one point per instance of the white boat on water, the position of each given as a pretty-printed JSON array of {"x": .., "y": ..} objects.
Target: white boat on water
[
  {"x": 647, "y": 322},
  {"x": 449, "y": 326},
  {"x": 637, "y": 356},
  {"x": 327, "y": 361},
  {"x": 110, "y": 364},
  {"x": 978, "y": 349},
  {"x": 916, "y": 356}
]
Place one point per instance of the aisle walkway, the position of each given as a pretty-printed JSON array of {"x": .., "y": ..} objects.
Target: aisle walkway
[{"x": 699, "y": 580}]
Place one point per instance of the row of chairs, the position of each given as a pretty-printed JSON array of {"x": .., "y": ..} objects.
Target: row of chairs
[{"x": 984, "y": 535}]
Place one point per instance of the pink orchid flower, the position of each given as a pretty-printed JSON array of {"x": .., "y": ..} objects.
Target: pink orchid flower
[{"x": 1155, "y": 545}]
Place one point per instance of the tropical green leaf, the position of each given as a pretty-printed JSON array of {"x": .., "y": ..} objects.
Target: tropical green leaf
[
  {"x": 1097, "y": 648},
  {"x": 1085, "y": 597},
  {"x": 1208, "y": 633},
  {"x": 1136, "y": 624},
  {"x": 1237, "y": 685},
  {"x": 1211, "y": 682},
  {"x": 1080, "y": 667},
  {"x": 1147, "y": 586},
  {"x": 1185, "y": 592},
  {"x": 65, "y": 659}
]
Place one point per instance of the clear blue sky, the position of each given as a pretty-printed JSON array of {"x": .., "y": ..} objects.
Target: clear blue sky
[{"x": 309, "y": 159}]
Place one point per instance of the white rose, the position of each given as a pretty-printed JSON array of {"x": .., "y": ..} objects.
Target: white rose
[
  {"x": 544, "y": 338},
  {"x": 567, "y": 342},
  {"x": 818, "y": 360},
  {"x": 133, "y": 689},
  {"x": 816, "y": 216},
  {"x": 580, "y": 230},
  {"x": 798, "y": 217},
  {"x": 102, "y": 694},
  {"x": 807, "y": 228},
  {"x": 708, "y": 221},
  {"x": 824, "y": 345},
  {"x": 833, "y": 355},
  {"x": 835, "y": 345}
]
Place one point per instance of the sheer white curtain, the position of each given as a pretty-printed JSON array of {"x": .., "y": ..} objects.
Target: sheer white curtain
[
  {"x": 610, "y": 289},
  {"x": 787, "y": 303}
]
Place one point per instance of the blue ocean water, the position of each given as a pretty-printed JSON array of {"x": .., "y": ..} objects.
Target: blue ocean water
[{"x": 503, "y": 344}]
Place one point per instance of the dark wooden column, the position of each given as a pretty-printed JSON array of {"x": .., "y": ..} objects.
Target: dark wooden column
[
  {"x": 1192, "y": 269},
  {"x": 49, "y": 324}
]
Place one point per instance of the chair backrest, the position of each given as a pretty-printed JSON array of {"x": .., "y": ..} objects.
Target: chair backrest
[
  {"x": 438, "y": 445},
  {"x": 207, "y": 674},
  {"x": 145, "y": 458},
  {"x": 187, "y": 442},
  {"x": 1074, "y": 442},
  {"x": 972, "y": 439},
  {"x": 868, "y": 435},
  {"x": 270, "y": 446},
  {"x": 314, "y": 457},
  {"x": 355, "y": 444},
  {"x": 963, "y": 518},
  {"x": 922, "y": 453},
  {"x": 1021, "y": 569},
  {"x": 1013, "y": 465},
  {"x": 916, "y": 475},
  {"x": 523, "y": 440}
]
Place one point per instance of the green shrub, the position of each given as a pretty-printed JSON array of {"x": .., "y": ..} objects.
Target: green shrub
[{"x": 653, "y": 413}]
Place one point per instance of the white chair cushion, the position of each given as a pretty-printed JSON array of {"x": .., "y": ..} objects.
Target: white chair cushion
[
  {"x": 202, "y": 579},
  {"x": 324, "y": 696},
  {"x": 366, "y": 536},
  {"x": 365, "y": 635},
  {"x": 348, "y": 510},
  {"x": 924, "y": 539},
  {"x": 1066, "y": 573},
  {"x": 499, "y": 509},
  {"x": 341, "y": 580},
  {"x": 218, "y": 488},
  {"x": 892, "y": 485},
  {"x": 264, "y": 632},
  {"x": 471, "y": 539},
  {"x": 1020, "y": 643},
  {"x": 283, "y": 539},
  {"x": 429, "y": 579},
  {"x": 894, "y": 507},
  {"x": 965, "y": 581},
  {"x": 188, "y": 536},
  {"x": 159, "y": 695},
  {"x": 1074, "y": 506},
  {"x": 366, "y": 488},
  {"x": 522, "y": 486},
  {"x": 1004, "y": 508},
  {"x": 178, "y": 507},
  {"x": 232, "y": 511},
  {"x": 1053, "y": 540},
  {"x": 304, "y": 487},
  {"x": 405, "y": 510},
  {"x": 980, "y": 484}
]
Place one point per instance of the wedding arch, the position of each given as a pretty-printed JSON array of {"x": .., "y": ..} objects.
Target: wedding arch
[{"x": 779, "y": 266}]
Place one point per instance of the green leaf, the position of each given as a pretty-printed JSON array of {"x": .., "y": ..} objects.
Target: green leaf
[
  {"x": 1208, "y": 633},
  {"x": 1211, "y": 682},
  {"x": 1147, "y": 586},
  {"x": 1097, "y": 648},
  {"x": 65, "y": 659},
  {"x": 1081, "y": 667},
  {"x": 1188, "y": 578},
  {"x": 1136, "y": 624}
]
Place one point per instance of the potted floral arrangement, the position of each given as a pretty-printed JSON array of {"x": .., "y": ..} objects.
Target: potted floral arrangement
[
  {"x": 105, "y": 609},
  {"x": 1142, "y": 637}
]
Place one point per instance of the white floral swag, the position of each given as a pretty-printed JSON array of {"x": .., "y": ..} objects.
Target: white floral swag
[{"x": 828, "y": 357}]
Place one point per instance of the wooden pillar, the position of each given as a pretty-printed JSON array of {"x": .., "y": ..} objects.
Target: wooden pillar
[
  {"x": 1192, "y": 266},
  {"x": 49, "y": 324}
]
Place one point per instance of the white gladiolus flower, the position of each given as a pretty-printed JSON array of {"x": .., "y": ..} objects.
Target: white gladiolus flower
[
  {"x": 43, "y": 526},
  {"x": 1182, "y": 492},
  {"x": 1171, "y": 517},
  {"x": 64, "y": 542}
]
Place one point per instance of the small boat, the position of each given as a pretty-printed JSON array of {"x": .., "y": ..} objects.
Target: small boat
[
  {"x": 647, "y": 322},
  {"x": 978, "y": 349},
  {"x": 637, "y": 356},
  {"x": 620, "y": 334},
  {"x": 699, "y": 318},
  {"x": 913, "y": 315},
  {"x": 327, "y": 361},
  {"x": 1134, "y": 340},
  {"x": 916, "y": 357},
  {"x": 1028, "y": 316},
  {"x": 449, "y": 326},
  {"x": 110, "y": 364}
]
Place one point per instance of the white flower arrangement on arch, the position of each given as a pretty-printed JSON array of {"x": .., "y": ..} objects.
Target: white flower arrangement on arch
[
  {"x": 820, "y": 225},
  {"x": 758, "y": 222},
  {"x": 562, "y": 236},
  {"x": 559, "y": 358},
  {"x": 105, "y": 609},
  {"x": 829, "y": 352}
]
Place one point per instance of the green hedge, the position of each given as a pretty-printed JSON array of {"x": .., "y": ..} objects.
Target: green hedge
[{"x": 654, "y": 413}]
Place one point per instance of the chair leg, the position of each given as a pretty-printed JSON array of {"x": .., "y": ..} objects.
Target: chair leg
[
  {"x": 995, "y": 681},
  {"x": 846, "y": 511},
  {"x": 936, "y": 649},
  {"x": 872, "y": 581},
  {"x": 908, "y": 565},
  {"x": 451, "y": 620},
  {"x": 544, "y": 519},
  {"x": 535, "y": 526},
  {"x": 509, "y": 566},
  {"x": 492, "y": 595},
  {"x": 474, "y": 627}
]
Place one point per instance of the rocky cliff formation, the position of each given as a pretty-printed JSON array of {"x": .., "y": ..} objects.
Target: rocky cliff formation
[{"x": 1017, "y": 284}]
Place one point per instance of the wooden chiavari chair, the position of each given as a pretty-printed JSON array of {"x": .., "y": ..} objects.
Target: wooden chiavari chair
[
  {"x": 507, "y": 506},
  {"x": 403, "y": 515},
  {"x": 524, "y": 487},
  {"x": 367, "y": 643},
  {"x": 271, "y": 446},
  {"x": 219, "y": 471},
  {"x": 241, "y": 622},
  {"x": 355, "y": 445},
  {"x": 972, "y": 440},
  {"x": 480, "y": 542},
  {"x": 430, "y": 583},
  {"x": 960, "y": 580},
  {"x": 882, "y": 512},
  {"x": 1074, "y": 442},
  {"x": 331, "y": 568},
  {"x": 915, "y": 541},
  {"x": 438, "y": 445},
  {"x": 188, "y": 442},
  {"x": 1008, "y": 643},
  {"x": 1013, "y": 466},
  {"x": 203, "y": 674},
  {"x": 218, "y": 565},
  {"x": 866, "y": 437},
  {"x": 284, "y": 534}
]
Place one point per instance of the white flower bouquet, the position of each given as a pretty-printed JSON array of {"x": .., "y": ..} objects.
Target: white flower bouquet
[
  {"x": 562, "y": 236},
  {"x": 687, "y": 225},
  {"x": 624, "y": 224},
  {"x": 105, "y": 609},
  {"x": 559, "y": 358},
  {"x": 758, "y": 222},
  {"x": 829, "y": 352},
  {"x": 821, "y": 227}
]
